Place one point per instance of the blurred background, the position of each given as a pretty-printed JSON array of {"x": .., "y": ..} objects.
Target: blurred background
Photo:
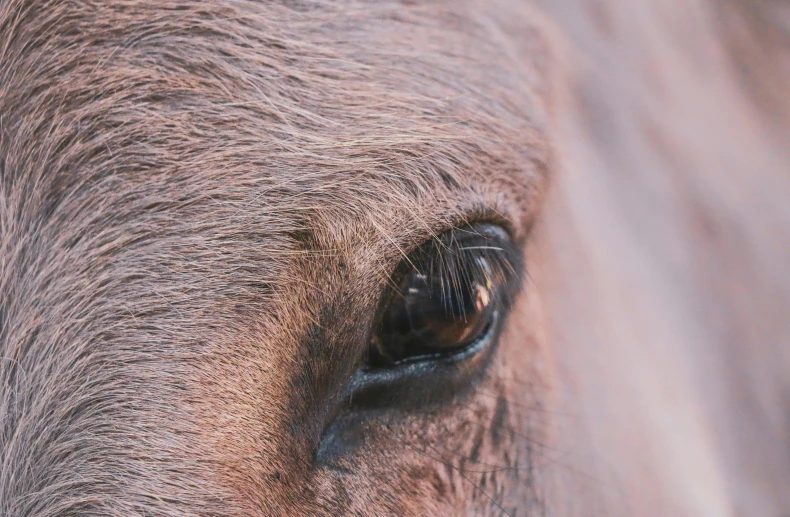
[{"x": 671, "y": 225}]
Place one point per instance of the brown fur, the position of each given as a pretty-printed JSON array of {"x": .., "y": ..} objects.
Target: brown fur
[{"x": 201, "y": 203}]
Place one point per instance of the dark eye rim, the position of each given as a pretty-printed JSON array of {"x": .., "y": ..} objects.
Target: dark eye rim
[
  {"x": 405, "y": 389},
  {"x": 457, "y": 354},
  {"x": 416, "y": 383}
]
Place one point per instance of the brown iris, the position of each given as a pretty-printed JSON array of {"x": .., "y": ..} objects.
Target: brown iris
[{"x": 446, "y": 296}]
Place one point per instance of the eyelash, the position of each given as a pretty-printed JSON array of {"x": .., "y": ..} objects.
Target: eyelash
[
  {"x": 445, "y": 296},
  {"x": 459, "y": 265}
]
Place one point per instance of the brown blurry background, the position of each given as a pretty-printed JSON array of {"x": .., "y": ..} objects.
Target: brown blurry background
[{"x": 671, "y": 224}]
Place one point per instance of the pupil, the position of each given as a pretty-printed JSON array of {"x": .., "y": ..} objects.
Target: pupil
[
  {"x": 433, "y": 313},
  {"x": 445, "y": 316}
]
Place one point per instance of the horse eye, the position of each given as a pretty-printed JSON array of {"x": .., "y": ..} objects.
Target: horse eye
[{"x": 446, "y": 297}]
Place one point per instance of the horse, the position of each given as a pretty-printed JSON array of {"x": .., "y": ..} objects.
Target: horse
[{"x": 394, "y": 257}]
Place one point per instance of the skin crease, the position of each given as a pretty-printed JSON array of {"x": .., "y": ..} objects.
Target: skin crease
[{"x": 201, "y": 205}]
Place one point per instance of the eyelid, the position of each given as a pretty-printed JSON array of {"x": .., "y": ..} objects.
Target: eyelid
[{"x": 481, "y": 221}]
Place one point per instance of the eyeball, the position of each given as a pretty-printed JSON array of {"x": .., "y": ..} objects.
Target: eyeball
[{"x": 446, "y": 296}]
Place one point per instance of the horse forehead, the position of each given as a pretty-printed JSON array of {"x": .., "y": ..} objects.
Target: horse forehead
[
  {"x": 196, "y": 137},
  {"x": 266, "y": 116}
]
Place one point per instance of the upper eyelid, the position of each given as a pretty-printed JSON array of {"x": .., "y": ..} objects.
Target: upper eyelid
[
  {"x": 465, "y": 232},
  {"x": 464, "y": 225}
]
